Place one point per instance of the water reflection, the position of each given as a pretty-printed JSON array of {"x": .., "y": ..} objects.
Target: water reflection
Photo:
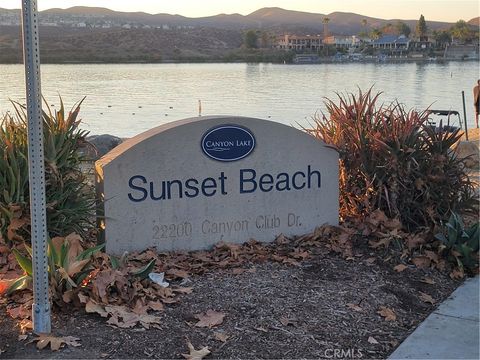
[{"x": 290, "y": 94}]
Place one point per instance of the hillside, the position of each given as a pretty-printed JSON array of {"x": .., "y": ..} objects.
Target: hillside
[
  {"x": 120, "y": 45},
  {"x": 340, "y": 22},
  {"x": 82, "y": 34},
  {"x": 474, "y": 21},
  {"x": 265, "y": 18}
]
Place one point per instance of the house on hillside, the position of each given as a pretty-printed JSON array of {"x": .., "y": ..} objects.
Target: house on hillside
[
  {"x": 299, "y": 43},
  {"x": 342, "y": 41},
  {"x": 422, "y": 43},
  {"x": 392, "y": 43}
]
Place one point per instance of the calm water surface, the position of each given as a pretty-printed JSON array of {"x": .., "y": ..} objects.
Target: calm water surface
[{"x": 125, "y": 100}]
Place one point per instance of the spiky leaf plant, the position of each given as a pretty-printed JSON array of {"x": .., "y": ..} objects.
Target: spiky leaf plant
[
  {"x": 391, "y": 159},
  {"x": 68, "y": 265},
  {"x": 70, "y": 198}
]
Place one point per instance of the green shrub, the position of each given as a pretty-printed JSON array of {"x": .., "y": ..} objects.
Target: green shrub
[
  {"x": 70, "y": 198},
  {"x": 460, "y": 243},
  {"x": 391, "y": 159}
]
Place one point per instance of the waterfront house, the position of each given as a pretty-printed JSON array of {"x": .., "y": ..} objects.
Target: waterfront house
[
  {"x": 392, "y": 43},
  {"x": 299, "y": 43},
  {"x": 342, "y": 41},
  {"x": 422, "y": 43}
]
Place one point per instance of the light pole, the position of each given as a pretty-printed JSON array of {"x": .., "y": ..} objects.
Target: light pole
[{"x": 36, "y": 166}]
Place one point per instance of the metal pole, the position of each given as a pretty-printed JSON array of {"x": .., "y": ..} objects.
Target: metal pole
[
  {"x": 31, "y": 59},
  {"x": 465, "y": 115}
]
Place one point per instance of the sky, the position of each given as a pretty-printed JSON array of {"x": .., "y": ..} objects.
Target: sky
[{"x": 439, "y": 10}]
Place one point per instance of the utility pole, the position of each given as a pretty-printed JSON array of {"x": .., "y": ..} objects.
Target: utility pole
[{"x": 36, "y": 166}]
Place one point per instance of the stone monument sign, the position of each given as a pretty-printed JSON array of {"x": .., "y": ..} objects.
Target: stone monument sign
[{"x": 192, "y": 183}]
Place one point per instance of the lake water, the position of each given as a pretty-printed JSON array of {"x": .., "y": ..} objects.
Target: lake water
[{"x": 125, "y": 100}]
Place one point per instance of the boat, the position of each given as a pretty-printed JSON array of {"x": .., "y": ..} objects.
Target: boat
[{"x": 444, "y": 120}]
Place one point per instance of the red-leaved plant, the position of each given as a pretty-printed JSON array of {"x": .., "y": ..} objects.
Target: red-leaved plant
[{"x": 392, "y": 159}]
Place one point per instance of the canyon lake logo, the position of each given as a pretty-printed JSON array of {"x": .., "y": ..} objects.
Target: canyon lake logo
[{"x": 228, "y": 142}]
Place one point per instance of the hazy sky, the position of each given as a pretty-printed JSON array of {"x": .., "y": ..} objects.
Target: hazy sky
[{"x": 442, "y": 10}]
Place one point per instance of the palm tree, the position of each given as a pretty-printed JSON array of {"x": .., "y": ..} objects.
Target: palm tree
[
  {"x": 325, "y": 22},
  {"x": 364, "y": 24},
  {"x": 376, "y": 33}
]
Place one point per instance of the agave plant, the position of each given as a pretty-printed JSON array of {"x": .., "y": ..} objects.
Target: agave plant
[
  {"x": 70, "y": 198},
  {"x": 460, "y": 243},
  {"x": 68, "y": 265}
]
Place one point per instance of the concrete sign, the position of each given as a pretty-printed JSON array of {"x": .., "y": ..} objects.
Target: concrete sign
[{"x": 189, "y": 184}]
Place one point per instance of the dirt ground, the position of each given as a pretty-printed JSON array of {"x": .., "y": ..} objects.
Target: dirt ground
[{"x": 325, "y": 305}]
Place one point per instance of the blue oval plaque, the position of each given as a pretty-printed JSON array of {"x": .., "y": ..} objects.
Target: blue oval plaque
[{"x": 228, "y": 143}]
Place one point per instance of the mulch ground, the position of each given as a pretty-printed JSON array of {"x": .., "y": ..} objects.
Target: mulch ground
[{"x": 325, "y": 307}]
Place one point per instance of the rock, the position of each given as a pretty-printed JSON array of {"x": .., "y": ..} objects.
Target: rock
[
  {"x": 470, "y": 151},
  {"x": 99, "y": 145}
]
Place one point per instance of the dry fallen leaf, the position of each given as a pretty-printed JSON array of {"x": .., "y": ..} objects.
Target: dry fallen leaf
[
  {"x": 426, "y": 298},
  {"x": 387, "y": 313},
  {"x": 20, "y": 312},
  {"x": 354, "y": 307},
  {"x": 400, "y": 267},
  {"x": 55, "y": 342},
  {"x": 372, "y": 340},
  {"x": 431, "y": 255},
  {"x": 377, "y": 217},
  {"x": 238, "y": 271},
  {"x": 209, "y": 319},
  {"x": 124, "y": 318},
  {"x": 382, "y": 242},
  {"x": 196, "y": 354},
  {"x": 74, "y": 242},
  {"x": 183, "y": 290},
  {"x": 22, "y": 337},
  {"x": 221, "y": 336},
  {"x": 71, "y": 340},
  {"x": 421, "y": 261},
  {"x": 428, "y": 280},
  {"x": 457, "y": 274},
  {"x": 68, "y": 296},
  {"x": 93, "y": 307},
  {"x": 282, "y": 240},
  {"x": 155, "y": 305},
  {"x": 25, "y": 325},
  {"x": 302, "y": 255},
  {"x": 15, "y": 224},
  {"x": 415, "y": 240},
  {"x": 176, "y": 273}
]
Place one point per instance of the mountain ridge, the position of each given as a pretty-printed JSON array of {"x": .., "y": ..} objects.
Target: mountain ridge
[
  {"x": 264, "y": 18},
  {"x": 89, "y": 34}
]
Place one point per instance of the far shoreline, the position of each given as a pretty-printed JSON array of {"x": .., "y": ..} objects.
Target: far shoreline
[{"x": 212, "y": 61}]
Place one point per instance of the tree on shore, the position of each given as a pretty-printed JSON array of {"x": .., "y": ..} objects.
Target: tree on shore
[
  {"x": 376, "y": 33},
  {"x": 325, "y": 22},
  {"x": 388, "y": 29},
  {"x": 250, "y": 39},
  {"x": 402, "y": 28},
  {"x": 421, "y": 29},
  {"x": 462, "y": 31},
  {"x": 364, "y": 26},
  {"x": 442, "y": 38}
]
